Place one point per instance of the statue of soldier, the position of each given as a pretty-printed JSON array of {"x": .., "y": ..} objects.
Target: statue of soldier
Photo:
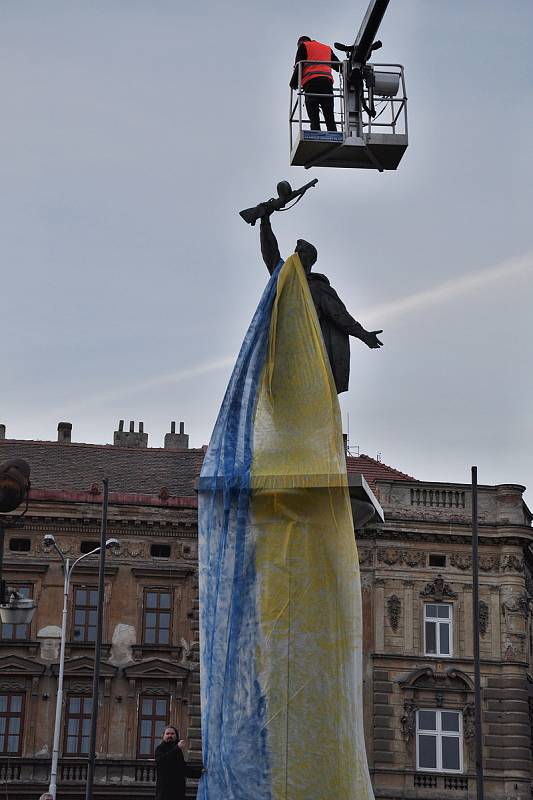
[{"x": 336, "y": 323}]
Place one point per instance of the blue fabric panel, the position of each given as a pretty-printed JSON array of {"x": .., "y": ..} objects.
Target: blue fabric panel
[{"x": 235, "y": 751}]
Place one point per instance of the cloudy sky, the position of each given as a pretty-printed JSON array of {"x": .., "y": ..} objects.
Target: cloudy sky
[{"x": 133, "y": 130}]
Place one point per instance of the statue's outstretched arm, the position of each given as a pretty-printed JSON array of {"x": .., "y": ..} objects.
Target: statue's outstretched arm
[
  {"x": 269, "y": 245},
  {"x": 335, "y": 309}
]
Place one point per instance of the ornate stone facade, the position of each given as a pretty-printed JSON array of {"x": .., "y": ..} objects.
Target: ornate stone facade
[
  {"x": 406, "y": 678},
  {"x": 142, "y": 659}
]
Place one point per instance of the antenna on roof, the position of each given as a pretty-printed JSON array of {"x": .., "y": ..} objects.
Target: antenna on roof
[
  {"x": 350, "y": 451},
  {"x": 378, "y": 457}
]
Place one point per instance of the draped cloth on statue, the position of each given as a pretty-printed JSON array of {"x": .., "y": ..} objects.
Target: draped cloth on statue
[{"x": 280, "y": 603}]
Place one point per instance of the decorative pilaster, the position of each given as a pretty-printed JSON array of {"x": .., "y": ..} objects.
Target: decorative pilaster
[{"x": 379, "y": 615}]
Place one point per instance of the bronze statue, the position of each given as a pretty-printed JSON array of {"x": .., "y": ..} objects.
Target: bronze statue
[{"x": 336, "y": 323}]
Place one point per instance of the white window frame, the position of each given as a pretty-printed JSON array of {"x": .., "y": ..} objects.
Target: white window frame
[
  {"x": 438, "y": 734},
  {"x": 438, "y": 621}
]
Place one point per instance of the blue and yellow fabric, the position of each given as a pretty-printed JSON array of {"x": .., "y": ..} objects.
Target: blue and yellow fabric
[{"x": 280, "y": 607}]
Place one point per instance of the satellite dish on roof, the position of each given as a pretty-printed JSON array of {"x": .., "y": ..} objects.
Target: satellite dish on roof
[{"x": 370, "y": 109}]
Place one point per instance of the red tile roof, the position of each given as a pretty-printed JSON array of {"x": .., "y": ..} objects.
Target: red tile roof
[
  {"x": 373, "y": 470},
  {"x": 76, "y": 467}
]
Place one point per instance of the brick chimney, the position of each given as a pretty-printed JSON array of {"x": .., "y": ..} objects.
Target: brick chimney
[
  {"x": 131, "y": 438},
  {"x": 64, "y": 432},
  {"x": 2, "y": 431},
  {"x": 177, "y": 441}
]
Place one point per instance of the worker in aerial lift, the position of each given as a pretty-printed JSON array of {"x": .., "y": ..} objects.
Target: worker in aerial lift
[{"x": 317, "y": 80}]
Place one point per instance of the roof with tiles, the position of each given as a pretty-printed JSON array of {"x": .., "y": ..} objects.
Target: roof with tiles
[
  {"x": 58, "y": 465},
  {"x": 76, "y": 466},
  {"x": 374, "y": 470}
]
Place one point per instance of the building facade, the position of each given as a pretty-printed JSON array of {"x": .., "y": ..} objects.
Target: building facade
[
  {"x": 417, "y": 602},
  {"x": 417, "y": 591}
]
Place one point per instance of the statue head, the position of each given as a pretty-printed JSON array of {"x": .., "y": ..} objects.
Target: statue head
[{"x": 307, "y": 252}]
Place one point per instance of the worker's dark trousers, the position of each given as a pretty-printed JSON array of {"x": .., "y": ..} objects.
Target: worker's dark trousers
[{"x": 313, "y": 104}]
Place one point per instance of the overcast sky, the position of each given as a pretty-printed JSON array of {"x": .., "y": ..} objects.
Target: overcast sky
[{"x": 131, "y": 134}]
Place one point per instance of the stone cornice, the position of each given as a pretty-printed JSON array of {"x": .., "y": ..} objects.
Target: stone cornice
[
  {"x": 453, "y": 660},
  {"x": 518, "y": 535},
  {"x": 25, "y": 565},
  {"x": 174, "y": 570},
  {"x": 92, "y": 569}
]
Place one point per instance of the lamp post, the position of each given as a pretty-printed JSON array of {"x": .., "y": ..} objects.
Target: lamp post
[
  {"x": 14, "y": 489},
  {"x": 68, "y": 570},
  {"x": 480, "y": 789}
]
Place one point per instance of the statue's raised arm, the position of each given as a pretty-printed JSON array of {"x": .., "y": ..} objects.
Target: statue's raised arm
[{"x": 269, "y": 244}]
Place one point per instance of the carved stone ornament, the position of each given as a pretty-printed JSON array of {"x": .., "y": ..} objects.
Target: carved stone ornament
[
  {"x": 438, "y": 589},
  {"x": 365, "y": 557},
  {"x": 66, "y": 547},
  {"x": 469, "y": 726},
  {"x": 461, "y": 560},
  {"x": 489, "y": 564},
  {"x": 408, "y": 720},
  {"x": 483, "y": 617},
  {"x": 517, "y": 603},
  {"x": 510, "y": 653},
  {"x": 80, "y": 688},
  {"x": 511, "y": 563},
  {"x": 13, "y": 686},
  {"x": 394, "y": 609},
  {"x": 189, "y": 551},
  {"x": 366, "y": 580},
  {"x": 131, "y": 549},
  {"x": 414, "y": 558},
  {"x": 390, "y": 556}
]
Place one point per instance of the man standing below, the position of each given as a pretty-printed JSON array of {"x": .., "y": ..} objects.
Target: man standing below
[
  {"x": 336, "y": 323},
  {"x": 317, "y": 80},
  {"x": 171, "y": 768}
]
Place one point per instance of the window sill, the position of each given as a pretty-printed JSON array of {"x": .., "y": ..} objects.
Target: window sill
[{"x": 175, "y": 653}]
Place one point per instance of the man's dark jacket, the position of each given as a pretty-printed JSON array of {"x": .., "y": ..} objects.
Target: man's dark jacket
[{"x": 172, "y": 771}]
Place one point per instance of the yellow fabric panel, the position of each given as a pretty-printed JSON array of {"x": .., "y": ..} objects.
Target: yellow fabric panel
[
  {"x": 297, "y": 427},
  {"x": 309, "y": 657}
]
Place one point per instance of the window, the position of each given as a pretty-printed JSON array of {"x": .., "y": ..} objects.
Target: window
[
  {"x": 89, "y": 545},
  {"x": 11, "y": 717},
  {"x": 436, "y": 560},
  {"x": 439, "y": 741},
  {"x": 160, "y": 550},
  {"x": 157, "y": 608},
  {"x": 153, "y": 719},
  {"x": 18, "y": 545},
  {"x": 77, "y": 725},
  {"x": 18, "y": 633},
  {"x": 85, "y": 613},
  {"x": 438, "y": 629}
]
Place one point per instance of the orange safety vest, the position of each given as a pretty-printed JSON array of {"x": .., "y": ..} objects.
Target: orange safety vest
[{"x": 316, "y": 51}]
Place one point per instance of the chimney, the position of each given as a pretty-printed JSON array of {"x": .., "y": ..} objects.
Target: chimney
[
  {"x": 2, "y": 431},
  {"x": 131, "y": 438},
  {"x": 64, "y": 432},
  {"x": 177, "y": 441},
  {"x": 345, "y": 443}
]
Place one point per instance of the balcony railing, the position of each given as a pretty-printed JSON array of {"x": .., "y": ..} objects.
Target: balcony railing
[
  {"x": 451, "y": 783},
  {"x": 71, "y": 771}
]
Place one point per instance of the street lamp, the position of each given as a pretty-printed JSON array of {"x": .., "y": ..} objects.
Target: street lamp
[
  {"x": 50, "y": 541},
  {"x": 14, "y": 489}
]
